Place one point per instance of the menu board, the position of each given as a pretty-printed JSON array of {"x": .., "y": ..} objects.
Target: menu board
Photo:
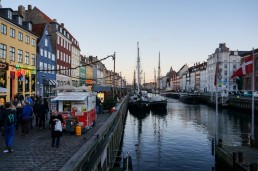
[{"x": 79, "y": 107}]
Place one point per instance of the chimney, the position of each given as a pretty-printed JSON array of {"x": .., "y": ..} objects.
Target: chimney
[
  {"x": 54, "y": 20},
  {"x": 62, "y": 25},
  {"x": 29, "y": 7},
  {"x": 21, "y": 10}
]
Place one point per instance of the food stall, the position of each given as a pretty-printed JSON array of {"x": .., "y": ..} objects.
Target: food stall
[{"x": 79, "y": 105}]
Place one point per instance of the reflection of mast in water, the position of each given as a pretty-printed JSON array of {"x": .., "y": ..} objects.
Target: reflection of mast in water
[
  {"x": 157, "y": 123},
  {"x": 138, "y": 145}
]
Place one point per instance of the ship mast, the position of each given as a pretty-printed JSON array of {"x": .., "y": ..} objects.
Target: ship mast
[
  {"x": 159, "y": 75},
  {"x": 138, "y": 69}
]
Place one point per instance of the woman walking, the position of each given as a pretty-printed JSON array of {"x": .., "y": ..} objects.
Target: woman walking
[{"x": 55, "y": 134}]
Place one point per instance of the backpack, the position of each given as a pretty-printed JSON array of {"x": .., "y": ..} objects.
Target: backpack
[{"x": 10, "y": 119}]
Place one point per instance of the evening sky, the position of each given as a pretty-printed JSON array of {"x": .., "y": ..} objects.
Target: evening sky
[{"x": 184, "y": 31}]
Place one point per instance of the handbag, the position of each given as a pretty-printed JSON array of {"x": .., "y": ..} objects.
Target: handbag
[{"x": 58, "y": 126}]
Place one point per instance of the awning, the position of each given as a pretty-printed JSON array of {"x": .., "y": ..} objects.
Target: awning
[
  {"x": 101, "y": 88},
  {"x": 69, "y": 98},
  {"x": 56, "y": 83},
  {"x": 50, "y": 82}
]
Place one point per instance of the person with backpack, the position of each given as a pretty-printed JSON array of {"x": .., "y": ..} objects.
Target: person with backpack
[
  {"x": 27, "y": 113},
  {"x": 8, "y": 121}
]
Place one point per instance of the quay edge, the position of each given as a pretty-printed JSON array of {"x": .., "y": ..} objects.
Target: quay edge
[{"x": 100, "y": 151}]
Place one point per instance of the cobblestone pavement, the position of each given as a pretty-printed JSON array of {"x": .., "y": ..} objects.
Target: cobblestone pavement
[{"x": 34, "y": 152}]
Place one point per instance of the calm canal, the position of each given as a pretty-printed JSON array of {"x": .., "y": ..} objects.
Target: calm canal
[{"x": 180, "y": 138}]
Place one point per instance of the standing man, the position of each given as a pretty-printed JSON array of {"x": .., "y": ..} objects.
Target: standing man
[
  {"x": 26, "y": 116},
  {"x": 8, "y": 120}
]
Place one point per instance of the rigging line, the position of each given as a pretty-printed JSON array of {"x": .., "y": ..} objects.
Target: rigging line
[{"x": 97, "y": 61}]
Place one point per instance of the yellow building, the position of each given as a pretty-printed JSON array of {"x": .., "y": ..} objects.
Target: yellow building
[
  {"x": 18, "y": 50},
  {"x": 89, "y": 73}
]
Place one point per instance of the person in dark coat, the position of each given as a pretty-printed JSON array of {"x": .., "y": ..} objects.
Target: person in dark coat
[
  {"x": 8, "y": 120},
  {"x": 42, "y": 114},
  {"x": 27, "y": 113},
  {"x": 55, "y": 134}
]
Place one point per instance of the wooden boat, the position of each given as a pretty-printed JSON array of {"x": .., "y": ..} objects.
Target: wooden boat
[{"x": 190, "y": 98}]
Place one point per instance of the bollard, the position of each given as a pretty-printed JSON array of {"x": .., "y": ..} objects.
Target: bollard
[
  {"x": 220, "y": 143},
  {"x": 253, "y": 167},
  {"x": 240, "y": 157}
]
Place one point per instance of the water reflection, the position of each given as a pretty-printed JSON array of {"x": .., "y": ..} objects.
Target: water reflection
[{"x": 181, "y": 137}]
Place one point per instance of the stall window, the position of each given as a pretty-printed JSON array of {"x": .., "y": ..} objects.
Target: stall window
[{"x": 67, "y": 106}]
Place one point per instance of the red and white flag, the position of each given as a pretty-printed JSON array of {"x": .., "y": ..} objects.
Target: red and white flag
[{"x": 245, "y": 68}]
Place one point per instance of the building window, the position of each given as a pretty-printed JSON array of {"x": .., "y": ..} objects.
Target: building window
[
  {"x": 20, "y": 36},
  {"x": 49, "y": 55},
  {"x": 53, "y": 69},
  {"x": 12, "y": 54},
  {"x": 27, "y": 39},
  {"x": 225, "y": 66},
  {"x": 33, "y": 61},
  {"x": 26, "y": 57},
  {"x": 19, "y": 55},
  {"x": 12, "y": 33},
  {"x": 45, "y": 67},
  {"x": 46, "y": 42},
  {"x": 45, "y": 53},
  {"x": 57, "y": 54},
  {"x": 10, "y": 15},
  {"x": 33, "y": 42},
  {"x": 3, "y": 29},
  {"x": 225, "y": 73},
  {"x": 49, "y": 68},
  {"x": 2, "y": 51},
  {"x": 41, "y": 52},
  {"x": 53, "y": 57},
  {"x": 30, "y": 26},
  {"x": 40, "y": 66},
  {"x": 20, "y": 20}
]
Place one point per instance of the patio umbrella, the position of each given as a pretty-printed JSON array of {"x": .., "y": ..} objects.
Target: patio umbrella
[{"x": 82, "y": 88}]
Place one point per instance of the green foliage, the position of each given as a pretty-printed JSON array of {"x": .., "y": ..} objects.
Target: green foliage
[{"x": 109, "y": 102}]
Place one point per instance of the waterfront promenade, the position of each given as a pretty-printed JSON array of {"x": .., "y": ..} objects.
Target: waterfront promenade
[{"x": 34, "y": 152}]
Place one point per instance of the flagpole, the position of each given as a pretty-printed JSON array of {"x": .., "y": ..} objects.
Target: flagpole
[{"x": 253, "y": 74}]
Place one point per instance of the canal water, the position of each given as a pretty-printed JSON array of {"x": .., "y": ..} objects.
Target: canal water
[{"x": 181, "y": 137}]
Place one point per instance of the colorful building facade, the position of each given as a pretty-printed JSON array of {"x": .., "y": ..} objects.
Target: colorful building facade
[{"x": 18, "y": 51}]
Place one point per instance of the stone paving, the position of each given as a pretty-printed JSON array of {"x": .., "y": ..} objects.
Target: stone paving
[{"x": 34, "y": 152}]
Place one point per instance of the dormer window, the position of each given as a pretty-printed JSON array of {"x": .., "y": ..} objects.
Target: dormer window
[
  {"x": 20, "y": 20},
  {"x": 30, "y": 26},
  {"x": 10, "y": 15}
]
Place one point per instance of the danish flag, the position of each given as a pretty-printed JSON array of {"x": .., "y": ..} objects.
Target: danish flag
[{"x": 245, "y": 68}]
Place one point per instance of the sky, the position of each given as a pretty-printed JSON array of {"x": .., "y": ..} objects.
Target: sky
[{"x": 183, "y": 31}]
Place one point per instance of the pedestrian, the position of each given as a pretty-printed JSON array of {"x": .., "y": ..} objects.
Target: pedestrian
[
  {"x": 46, "y": 108},
  {"x": 98, "y": 105},
  {"x": 54, "y": 133},
  {"x": 8, "y": 120},
  {"x": 42, "y": 113},
  {"x": 26, "y": 116},
  {"x": 36, "y": 111}
]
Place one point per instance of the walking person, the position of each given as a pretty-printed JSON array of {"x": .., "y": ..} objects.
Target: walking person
[
  {"x": 8, "y": 120},
  {"x": 26, "y": 116},
  {"x": 36, "y": 111},
  {"x": 42, "y": 113},
  {"x": 46, "y": 108},
  {"x": 55, "y": 134}
]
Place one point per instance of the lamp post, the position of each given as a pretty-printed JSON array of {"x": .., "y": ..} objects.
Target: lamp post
[{"x": 114, "y": 58}]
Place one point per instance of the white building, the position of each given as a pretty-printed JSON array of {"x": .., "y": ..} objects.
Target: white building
[{"x": 227, "y": 62}]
